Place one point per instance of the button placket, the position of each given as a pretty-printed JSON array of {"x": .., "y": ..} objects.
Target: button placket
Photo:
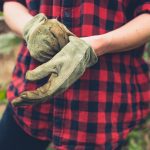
[
  {"x": 58, "y": 122},
  {"x": 67, "y": 17},
  {"x": 67, "y": 14}
]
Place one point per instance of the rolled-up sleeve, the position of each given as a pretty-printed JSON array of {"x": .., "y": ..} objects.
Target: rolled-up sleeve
[
  {"x": 20, "y": 1},
  {"x": 141, "y": 6}
]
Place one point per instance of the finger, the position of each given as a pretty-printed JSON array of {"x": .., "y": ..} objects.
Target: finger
[
  {"x": 64, "y": 28},
  {"x": 38, "y": 95},
  {"x": 41, "y": 71},
  {"x": 20, "y": 102},
  {"x": 52, "y": 43},
  {"x": 45, "y": 49},
  {"x": 59, "y": 34},
  {"x": 44, "y": 56},
  {"x": 69, "y": 33}
]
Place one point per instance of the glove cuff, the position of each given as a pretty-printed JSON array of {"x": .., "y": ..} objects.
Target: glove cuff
[
  {"x": 32, "y": 24},
  {"x": 91, "y": 57}
]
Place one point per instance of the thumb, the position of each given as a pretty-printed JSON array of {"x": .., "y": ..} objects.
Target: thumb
[{"x": 41, "y": 71}]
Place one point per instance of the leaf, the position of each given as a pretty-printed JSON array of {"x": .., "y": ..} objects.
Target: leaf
[
  {"x": 2, "y": 94},
  {"x": 7, "y": 42}
]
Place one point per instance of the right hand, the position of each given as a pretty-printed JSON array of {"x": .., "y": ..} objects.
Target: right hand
[
  {"x": 65, "y": 68},
  {"x": 45, "y": 37}
]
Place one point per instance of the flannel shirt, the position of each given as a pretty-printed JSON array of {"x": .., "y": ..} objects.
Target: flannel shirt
[{"x": 99, "y": 110}]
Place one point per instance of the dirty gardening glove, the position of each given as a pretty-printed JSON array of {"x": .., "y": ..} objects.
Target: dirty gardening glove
[
  {"x": 64, "y": 69},
  {"x": 45, "y": 37}
]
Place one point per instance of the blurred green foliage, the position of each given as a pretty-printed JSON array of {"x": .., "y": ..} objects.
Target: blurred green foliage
[
  {"x": 135, "y": 140},
  {"x": 8, "y": 42},
  {"x": 147, "y": 53},
  {"x": 139, "y": 138},
  {"x": 3, "y": 96}
]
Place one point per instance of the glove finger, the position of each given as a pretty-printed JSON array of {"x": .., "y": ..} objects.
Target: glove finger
[
  {"x": 49, "y": 54},
  {"x": 63, "y": 41},
  {"x": 42, "y": 37},
  {"x": 60, "y": 32},
  {"x": 42, "y": 40},
  {"x": 44, "y": 51},
  {"x": 65, "y": 29},
  {"x": 38, "y": 74},
  {"x": 60, "y": 36},
  {"x": 20, "y": 102},
  {"x": 43, "y": 71},
  {"x": 41, "y": 94},
  {"x": 52, "y": 66},
  {"x": 44, "y": 56},
  {"x": 52, "y": 42}
]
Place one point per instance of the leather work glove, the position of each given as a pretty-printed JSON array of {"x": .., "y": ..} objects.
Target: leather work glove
[
  {"x": 64, "y": 69},
  {"x": 45, "y": 37}
]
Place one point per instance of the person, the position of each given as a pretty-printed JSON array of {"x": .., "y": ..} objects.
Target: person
[{"x": 99, "y": 110}]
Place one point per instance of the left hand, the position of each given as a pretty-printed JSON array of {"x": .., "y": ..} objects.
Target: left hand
[{"x": 45, "y": 37}]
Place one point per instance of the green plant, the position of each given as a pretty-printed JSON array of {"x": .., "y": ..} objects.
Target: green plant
[
  {"x": 147, "y": 53},
  {"x": 3, "y": 97},
  {"x": 139, "y": 138},
  {"x": 8, "y": 42}
]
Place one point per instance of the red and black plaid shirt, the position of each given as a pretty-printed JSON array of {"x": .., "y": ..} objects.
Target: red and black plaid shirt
[{"x": 99, "y": 110}]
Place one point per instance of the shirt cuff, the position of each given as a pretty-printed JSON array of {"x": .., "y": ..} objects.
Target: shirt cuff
[
  {"x": 145, "y": 8},
  {"x": 9, "y": 0}
]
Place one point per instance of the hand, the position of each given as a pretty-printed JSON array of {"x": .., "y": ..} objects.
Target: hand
[
  {"x": 64, "y": 69},
  {"x": 45, "y": 37}
]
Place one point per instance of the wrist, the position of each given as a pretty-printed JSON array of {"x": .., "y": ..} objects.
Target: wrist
[
  {"x": 101, "y": 44},
  {"x": 27, "y": 19},
  {"x": 16, "y": 16},
  {"x": 20, "y": 28}
]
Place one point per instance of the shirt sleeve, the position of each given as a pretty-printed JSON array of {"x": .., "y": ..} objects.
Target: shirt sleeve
[
  {"x": 141, "y": 6},
  {"x": 20, "y": 1}
]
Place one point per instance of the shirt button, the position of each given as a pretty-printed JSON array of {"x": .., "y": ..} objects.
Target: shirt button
[
  {"x": 58, "y": 122},
  {"x": 67, "y": 14}
]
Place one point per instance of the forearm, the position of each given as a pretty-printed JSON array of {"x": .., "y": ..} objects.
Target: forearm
[
  {"x": 16, "y": 16},
  {"x": 131, "y": 35}
]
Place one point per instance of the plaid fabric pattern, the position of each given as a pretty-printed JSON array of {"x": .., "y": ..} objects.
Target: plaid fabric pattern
[{"x": 111, "y": 98}]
